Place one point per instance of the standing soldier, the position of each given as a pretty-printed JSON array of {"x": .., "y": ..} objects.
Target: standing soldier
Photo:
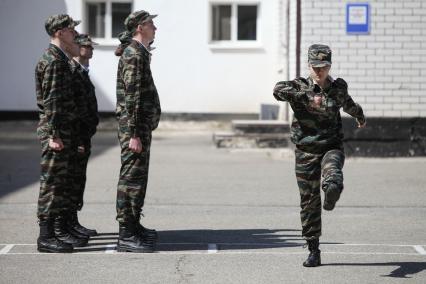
[
  {"x": 88, "y": 115},
  {"x": 56, "y": 130},
  {"x": 317, "y": 132},
  {"x": 138, "y": 113}
]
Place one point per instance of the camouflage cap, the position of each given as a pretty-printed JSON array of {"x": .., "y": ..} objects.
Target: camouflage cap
[
  {"x": 137, "y": 18},
  {"x": 57, "y": 22},
  {"x": 319, "y": 55},
  {"x": 84, "y": 39}
]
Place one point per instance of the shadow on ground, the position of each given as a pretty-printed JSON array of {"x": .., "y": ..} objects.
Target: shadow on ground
[
  {"x": 198, "y": 240},
  {"x": 402, "y": 271}
]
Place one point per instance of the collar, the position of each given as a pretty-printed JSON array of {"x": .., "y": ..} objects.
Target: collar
[
  {"x": 313, "y": 83},
  {"x": 60, "y": 51},
  {"x": 142, "y": 46},
  {"x": 85, "y": 68}
]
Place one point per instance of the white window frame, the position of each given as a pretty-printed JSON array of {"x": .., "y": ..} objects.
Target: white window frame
[
  {"x": 108, "y": 40},
  {"x": 234, "y": 43}
]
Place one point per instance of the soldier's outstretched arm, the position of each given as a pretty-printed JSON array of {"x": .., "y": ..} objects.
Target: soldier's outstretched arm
[{"x": 290, "y": 91}]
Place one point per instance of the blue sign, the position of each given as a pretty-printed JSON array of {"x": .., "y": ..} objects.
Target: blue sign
[{"x": 358, "y": 18}]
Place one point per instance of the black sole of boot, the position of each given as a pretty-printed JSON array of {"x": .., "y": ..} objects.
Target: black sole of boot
[
  {"x": 47, "y": 250},
  {"x": 330, "y": 200},
  {"x": 126, "y": 249}
]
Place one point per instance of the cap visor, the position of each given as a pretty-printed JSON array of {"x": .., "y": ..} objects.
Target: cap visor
[
  {"x": 150, "y": 17},
  {"x": 320, "y": 63},
  {"x": 75, "y": 23}
]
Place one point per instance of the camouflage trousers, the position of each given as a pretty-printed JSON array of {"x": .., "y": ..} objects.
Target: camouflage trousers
[
  {"x": 315, "y": 170},
  {"x": 78, "y": 173},
  {"x": 133, "y": 179},
  {"x": 55, "y": 179}
]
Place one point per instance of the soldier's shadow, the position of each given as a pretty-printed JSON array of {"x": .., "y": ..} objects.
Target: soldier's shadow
[
  {"x": 238, "y": 239},
  {"x": 204, "y": 239},
  {"x": 402, "y": 270}
]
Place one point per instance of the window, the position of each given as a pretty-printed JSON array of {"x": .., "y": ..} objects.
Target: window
[
  {"x": 105, "y": 18},
  {"x": 221, "y": 22},
  {"x": 247, "y": 17},
  {"x": 234, "y": 22}
]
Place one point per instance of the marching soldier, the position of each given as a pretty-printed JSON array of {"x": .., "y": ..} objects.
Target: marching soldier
[
  {"x": 56, "y": 131},
  {"x": 138, "y": 114},
  {"x": 317, "y": 132}
]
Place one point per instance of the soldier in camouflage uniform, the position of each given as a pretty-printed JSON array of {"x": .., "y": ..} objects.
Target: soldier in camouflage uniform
[
  {"x": 88, "y": 120},
  {"x": 317, "y": 132},
  {"x": 138, "y": 114},
  {"x": 56, "y": 131}
]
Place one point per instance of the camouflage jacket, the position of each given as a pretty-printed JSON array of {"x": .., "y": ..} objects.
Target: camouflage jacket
[
  {"x": 55, "y": 100},
  {"x": 87, "y": 105},
  {"x": 317, "y": 125},
  {"x": 138, "y": 106}
]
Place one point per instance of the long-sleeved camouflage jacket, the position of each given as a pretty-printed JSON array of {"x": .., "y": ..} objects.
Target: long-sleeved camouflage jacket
[
  {"x": 138, "y": 105},
  {"x": 316, "y": 126},
  {"x": 55, "y": 100},
  {"x": 86, "y": 102}
]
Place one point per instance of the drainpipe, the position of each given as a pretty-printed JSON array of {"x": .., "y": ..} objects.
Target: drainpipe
[
  {"x": 298, "y": 35},
  {"x": 287, "y": 65}
]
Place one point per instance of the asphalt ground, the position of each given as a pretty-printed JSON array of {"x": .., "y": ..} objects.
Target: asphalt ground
[{"x": 223, "y": 216}]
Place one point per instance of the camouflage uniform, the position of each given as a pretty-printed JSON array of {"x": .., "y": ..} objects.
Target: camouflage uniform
[
  {"x": 317, "y": 133},
  {"x": 138, "y": 113},
  {"x": 58, "y": 119},
  {"x": 88, "y": 120}
]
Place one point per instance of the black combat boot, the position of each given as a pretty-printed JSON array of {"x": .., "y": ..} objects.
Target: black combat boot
[
  {"x": 150, "y": 235},
  {"x": 47, "y": 242},
  {"x": 63, "y": 233},
  {"x": 77, "y": 227},
  {"x": 331, "y": 195},
  {"x": 129, "y": 240},
  {"x": 314, "y": 258}
]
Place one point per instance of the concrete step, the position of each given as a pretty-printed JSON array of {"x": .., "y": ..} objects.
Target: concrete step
[
  {"x": 260, "y": 126},
  {"x": 251, "y": 140}
]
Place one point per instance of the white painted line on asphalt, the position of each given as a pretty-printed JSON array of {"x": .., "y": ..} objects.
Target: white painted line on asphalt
[
  {"x": 375, "y": 245},
  {"x": 222, "y": 253},
  {"x": 212, "y": 248},
  {"x": 6, "y": 249},
  {"x": 420, "y": 250},
  {"x": 110, "y": 248},
  {"x": 19, "y": 244},
  {"x": 264, "y": 244}
]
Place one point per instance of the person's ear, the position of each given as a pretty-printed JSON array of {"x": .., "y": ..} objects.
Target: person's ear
[{"x": 59, "y": 33}]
